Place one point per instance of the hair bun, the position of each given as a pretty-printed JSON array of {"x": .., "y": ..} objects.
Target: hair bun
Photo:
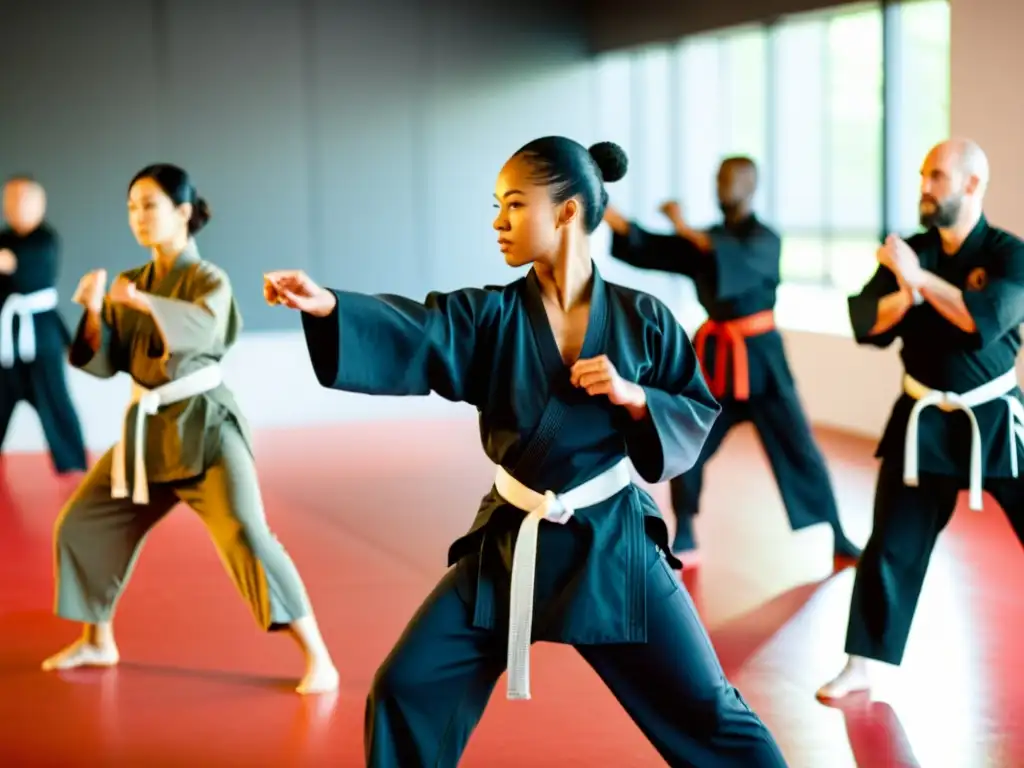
[
  {"x": 200, "y": 215},
  {"x": 611, "y": 159}
]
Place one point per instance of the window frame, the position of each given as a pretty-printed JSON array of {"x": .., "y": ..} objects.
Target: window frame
[{"x": 893, "y": 116}]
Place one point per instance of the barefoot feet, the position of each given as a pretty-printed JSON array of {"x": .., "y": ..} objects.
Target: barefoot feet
[
  {"x": 83, "y": 653},
  {"x": 852, "y": 679},
  {"x": 321, "y": 677}
]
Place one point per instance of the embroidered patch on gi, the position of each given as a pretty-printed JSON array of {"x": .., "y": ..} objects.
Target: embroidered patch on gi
[{"x": 977, "y": 279}]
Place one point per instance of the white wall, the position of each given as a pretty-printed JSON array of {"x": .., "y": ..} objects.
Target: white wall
[{"x": 988, "y": 101}]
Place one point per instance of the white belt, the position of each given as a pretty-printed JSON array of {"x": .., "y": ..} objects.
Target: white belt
[
  {"x": 24, "y": 305},
  {"x": 556, "y": 508},
  {"x": 997, "y": 389},
  {"x": 150, "y": 401}
]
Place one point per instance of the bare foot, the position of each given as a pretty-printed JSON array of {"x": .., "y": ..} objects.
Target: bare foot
[
  {"x": 321, "y": 677},
  {"x": 853, "y": 678},
  {"x": 82, "y": 653}
]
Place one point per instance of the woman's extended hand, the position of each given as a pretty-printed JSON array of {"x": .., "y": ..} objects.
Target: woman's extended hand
[{"x": 295, "y": 289}]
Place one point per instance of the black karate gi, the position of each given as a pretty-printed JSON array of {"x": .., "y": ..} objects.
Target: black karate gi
[
  {"x": 603, "y": 581},
  {"x": 43, "y": 382},
  {"x": 989, "y": 269},
  {"x": 739, "y": 279}
]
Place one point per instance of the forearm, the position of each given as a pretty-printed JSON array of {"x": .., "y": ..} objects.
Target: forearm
[
  {"x": 700, "y": 240},
  {"x": 661, "y": 252},
  {"x": 91, "y": 347},
  {"x": 948, "y": 301},
  {"x": 92, "y": 333},
  {"x": 619, "y": 226},
  {"x": 891, "y": 310}
]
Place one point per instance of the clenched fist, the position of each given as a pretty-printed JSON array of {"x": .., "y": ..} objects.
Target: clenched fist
[
  {"x": 597, "y": 375},
  {"x": 295, "y": 289},
  {"x": 8, "y": 261},
  {"x": 91, "y": 289}
]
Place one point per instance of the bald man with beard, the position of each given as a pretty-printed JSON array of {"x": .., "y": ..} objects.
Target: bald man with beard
[
  {"x": 735, "y": 269},
  {"x": 954, "y": 295},
  {"x": 33, "y": 337}
]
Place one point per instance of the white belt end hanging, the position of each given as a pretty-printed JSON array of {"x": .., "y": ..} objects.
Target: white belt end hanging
[
  {"x": 555, "y": 508},
  {"x": 975, "y": 500},
  {"x": 524, "y": 566},
  {"x": 149, "y": 405},
  {"x": 27, "y": 339},
  {"x": 140, "y": 493},
  {"x": 118, "y": 482},
  {"x": 977, "y": 482},
  {"x": 910, "y": 446}
]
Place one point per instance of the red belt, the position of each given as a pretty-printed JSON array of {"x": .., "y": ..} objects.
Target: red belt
[{"x": 731, "y": 336}]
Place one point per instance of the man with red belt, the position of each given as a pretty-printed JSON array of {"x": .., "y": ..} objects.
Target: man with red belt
[{"x": 735, "y": 268}]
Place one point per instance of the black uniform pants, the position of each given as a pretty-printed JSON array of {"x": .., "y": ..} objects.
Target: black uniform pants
[
  {"x": 431, "y": 692},
  {"x": 890, "y": 574},
  {"x": 43, "y": 385},
  {"x": 797, "y": 462}
]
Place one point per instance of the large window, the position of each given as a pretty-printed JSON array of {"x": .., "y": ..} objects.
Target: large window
[
  {"x": 837, "y": 107},
  {"x": 918, "y": 98},
  {"x": 829, "y": 127}
]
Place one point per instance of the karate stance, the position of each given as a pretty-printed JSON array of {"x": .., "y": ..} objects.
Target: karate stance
[
  {"x": 33, "y": 337},
  {"x": 954, "y": 295},
  {"x": 571, "y": 375},
  {"x": 167, "y": 324},
  {"x": 735, "y": 268}
]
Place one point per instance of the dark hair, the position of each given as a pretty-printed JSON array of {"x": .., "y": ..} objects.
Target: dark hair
[
  {"x": 177, "y": 185},
  {"x": 570, "y": 170}
]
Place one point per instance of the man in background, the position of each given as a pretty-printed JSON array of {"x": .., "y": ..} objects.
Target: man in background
[
  {"x": 33, "y": 337},
  {"x": 954, "y": 296},
  {"x": 735, "y": 268}
]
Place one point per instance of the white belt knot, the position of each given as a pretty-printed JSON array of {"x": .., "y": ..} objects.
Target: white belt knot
[
  {"x": 555, "y": 508},
  {"x": 997, "y": 389},
  {"x": 149, "y": 403},
  {"x": 947, "y": 401},
  {"x": 24, "y": 306}
]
